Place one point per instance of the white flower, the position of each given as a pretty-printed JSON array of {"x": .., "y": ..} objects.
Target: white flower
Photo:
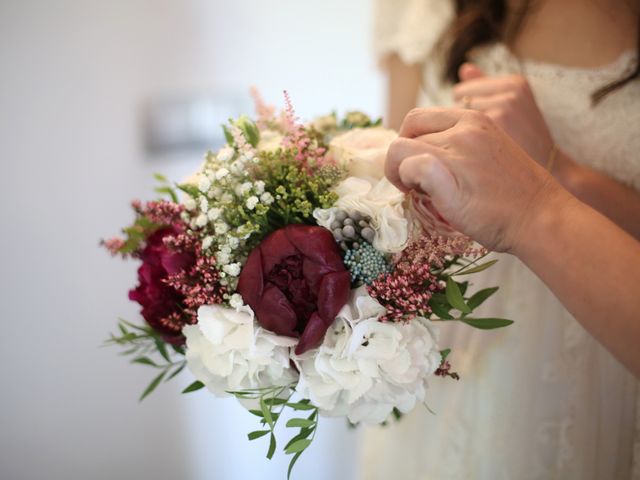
[
  {"x": 207, "y": 242},
  {"x": 223, "y": 258},
  {"x": 233, "y": 242},
  {"x": 189, "y": 203},
  {"x": 232, "y": 269},
  {"x": 201, "y": 221},
  {"x": 382, "y": 202},
  {"x": 365, "y": 368},
  {"x": 259, "y": 187},
  {"x": 205, "y": 184},
  {"x": 214, "y": 214},
  {"x": 221, "y": 173},
  {"x": 227, "y": 350},
  {"x": 226, "y": 198},
  {"x": 204, "y": 204},
  {"x": 221, "y": 228},
  {"x": 244, "y": 188},
  {"x": 225, "y": 154},
  {"x": 363, "y": 150},
  {"x": 266, "y": 198},
  {"x": 236, "y": 301},
  {"x": 252, "y": 201}
]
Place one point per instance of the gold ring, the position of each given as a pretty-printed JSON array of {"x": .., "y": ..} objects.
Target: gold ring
[{"x": 466, "y": 102}]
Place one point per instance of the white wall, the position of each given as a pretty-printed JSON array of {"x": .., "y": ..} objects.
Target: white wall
[{"x": 73, "y": 75}]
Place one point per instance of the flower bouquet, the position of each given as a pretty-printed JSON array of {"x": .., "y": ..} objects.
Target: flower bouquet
[{"x": 289, "y": 273}]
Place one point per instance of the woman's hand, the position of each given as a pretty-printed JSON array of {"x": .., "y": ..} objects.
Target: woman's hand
[
  {"x": 476, "y": 176},
  {"x": 510, "y": 103}
]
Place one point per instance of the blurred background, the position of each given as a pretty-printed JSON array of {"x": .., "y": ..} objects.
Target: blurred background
[{"x": 94, "y": 97}]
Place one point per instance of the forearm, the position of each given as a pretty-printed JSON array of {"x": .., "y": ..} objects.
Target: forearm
[
  {"x": 593, "y": 267},
  {"x": 403, "y": 87},
  {"x": 619, "y": 203}
]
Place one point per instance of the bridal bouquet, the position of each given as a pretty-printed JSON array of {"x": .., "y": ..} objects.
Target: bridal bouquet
[{"x": 289, "y": 273}]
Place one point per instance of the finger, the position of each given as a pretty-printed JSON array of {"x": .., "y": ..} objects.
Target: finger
[
  {"x": 469, "y": 71},
  {"x": 400, "y": 149},
  {"x": 482, "y": 86},
  {"x": 483, "y": 103},
  {"x": 427, "y": 173},
  {"x": 421, "y": 121}
]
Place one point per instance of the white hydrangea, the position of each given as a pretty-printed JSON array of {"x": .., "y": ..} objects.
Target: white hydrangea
[
  {"x": 221, "y": 173},
  {"x": 201, "y": 220},
  {"x": 204, "y": 184},
  {"x": 214, "y": 214},
  {"x": 266, "y": 198},
  {"x": 252, "y": 201},
  {"x": 207, "y": 242},
  {"x": 232, "y": 269},
  {"x": 259, "y": 187},
  {"x": 228, "y": 351},
  {"x": 189, "y": 203},
  {"x": 221, "y": 228},
  {"x": 204, "y": 204},
  {"x": 365, "y": 368}
]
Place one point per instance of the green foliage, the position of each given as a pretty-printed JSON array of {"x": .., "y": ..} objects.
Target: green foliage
[
  {"x": 272, "y": 402},
  {"x": 147, "y": 348}
]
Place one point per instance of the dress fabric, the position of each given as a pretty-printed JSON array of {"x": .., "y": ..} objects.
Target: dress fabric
[{"x": 540, "y": 399}]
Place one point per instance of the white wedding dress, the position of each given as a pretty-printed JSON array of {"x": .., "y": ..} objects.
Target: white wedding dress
[{"x": 540, "y": 399}]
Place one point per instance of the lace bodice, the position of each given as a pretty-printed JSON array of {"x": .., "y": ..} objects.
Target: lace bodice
[{"x": 570, "y": 407}]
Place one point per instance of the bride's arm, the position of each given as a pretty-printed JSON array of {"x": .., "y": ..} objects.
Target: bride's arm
[
  {"x": 509, "y": 102},
  {"x": 403, "y": 85}
]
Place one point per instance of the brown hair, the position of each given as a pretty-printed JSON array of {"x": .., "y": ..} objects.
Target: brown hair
[{"x": 480, "y": 22}]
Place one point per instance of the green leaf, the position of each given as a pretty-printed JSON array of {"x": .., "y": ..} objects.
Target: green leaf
[
  {"x": 257, "y": 434},
  {"x": 197, "y": 385},
  {"x": 454, "y": 296},
  {"x": 176, "y": 371},
  {"x": 476, "y": 269},
  {"x": 487, "y": 323},
  {"x": 300, "y": 406},
  {"x": 250, "y": 130},
  {"x": 274, "y": 401},
  {"x": 162, "y": 349},
  {"x": 227, "y": 135},
  {"x": 266, "y": 412},
  {"x": 292, "y": 463},
  {"x": 480, "y": 296},
  {"x": 190, "y": 190},
  {"x": 445, "y": 353},
  {"x": 272, "y": 446},
  {"x": 167, "y": 191},
  {"x": 159, "y": 177},
  {"x": 300, "y": 423},
  {"x": 152, "y": 386},
  {"x": 304, "y": 433},
  {"x": 257, "y": 413},
  {"x": 441, "y": 311},
  {"x": 145, "y": 361},
  {"x": 439, "y": 298},
  {"x": 298, "y": 446}
]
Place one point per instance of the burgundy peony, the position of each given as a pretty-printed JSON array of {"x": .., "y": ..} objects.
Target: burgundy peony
[
  {"x": 161, "y": 304},
  {"x": 296, "y": 283}
]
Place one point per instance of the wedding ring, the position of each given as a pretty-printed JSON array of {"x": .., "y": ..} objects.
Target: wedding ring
[{"x": 466, "y": 102}]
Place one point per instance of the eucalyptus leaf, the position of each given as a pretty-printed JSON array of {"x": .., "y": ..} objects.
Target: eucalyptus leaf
[
  {"x": 197, "y": 385},
  {"x": 454, "y": 296},
  {"x": 258, "y": 434},
  {"x": 152, "y": 386},
  {"x": 476, "y": 269},
  {"x": 480, "y": 296},
  {"x": 487, "y": 323},
  {"x": 298, "y": 446},
  {"x": 272, "y": 446},
  {"x": 300, "y": 423}
]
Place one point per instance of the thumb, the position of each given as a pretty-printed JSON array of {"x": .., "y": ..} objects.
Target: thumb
[{"x": 469, "y": 71}]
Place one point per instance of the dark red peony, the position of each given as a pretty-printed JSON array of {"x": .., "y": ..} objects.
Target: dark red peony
[
  {"x": 162, "y": 305},
  {"x": 296, "y": 283}
]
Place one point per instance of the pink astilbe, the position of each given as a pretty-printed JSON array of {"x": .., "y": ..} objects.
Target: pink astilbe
[
  {"x": 432, "y": 249},
  {"x": 113, "y": 245},
  {"x": 405, "y": 292},
  {"x": 297, "y": 138},
  {"x": 264, "y": 112},
  {"x": 160, "y": 212},
  {"x": 199, "y": 283}
]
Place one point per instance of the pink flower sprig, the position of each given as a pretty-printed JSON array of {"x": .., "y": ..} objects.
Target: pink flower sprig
[
  {"x": 406, "y": 291},
  {"x": 433, "y": 249},
  {"x": 199, "y": 283},
  {"x": 264, "y": 112},
  {"x": 160, "y": 212},
  {"x": 298, "y": 139},
  {"x": 444, "y": 370}
]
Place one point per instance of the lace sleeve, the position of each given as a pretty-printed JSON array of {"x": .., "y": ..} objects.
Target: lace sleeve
[{"x": 410, "y": 28}]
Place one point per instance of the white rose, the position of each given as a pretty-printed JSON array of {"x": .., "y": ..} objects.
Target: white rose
[
  {"x": 365, "y": 368},
  {"x": 227, "y": 350},
  {"x": 363, "y": 150}
]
